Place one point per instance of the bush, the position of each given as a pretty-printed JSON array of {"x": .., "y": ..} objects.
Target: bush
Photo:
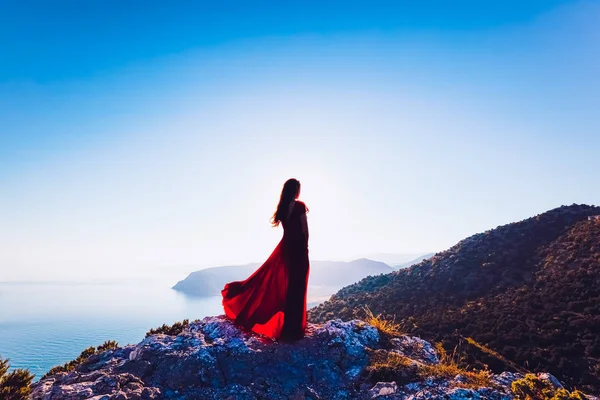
[
  {"x": 531, "y": 387},
  {"x": 83, "y": 357},
  {"x": 448, "y": 368},
  {"x": 14, "y": 385},
  {"x": 108, "y": 345},
  {"x": 172, "y": 330}
]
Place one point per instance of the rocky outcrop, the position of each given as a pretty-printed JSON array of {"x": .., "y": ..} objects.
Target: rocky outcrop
[{"x": 214, "y": 359}]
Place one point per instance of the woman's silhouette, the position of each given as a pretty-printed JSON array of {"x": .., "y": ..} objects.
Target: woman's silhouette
[{"x": 272, "y": 301}]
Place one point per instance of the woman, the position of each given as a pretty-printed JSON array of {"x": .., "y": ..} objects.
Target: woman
[{"x": 272, "y": 301}]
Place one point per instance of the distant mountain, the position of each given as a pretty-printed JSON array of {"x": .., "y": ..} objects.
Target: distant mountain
[
  {"x": 413, "y": 262},
  {"x": 528, "y": 290},
  {"x": 392, "y": 258},
  {"x": 325, "y": 278},
  {"x": 210, "y": 281}
]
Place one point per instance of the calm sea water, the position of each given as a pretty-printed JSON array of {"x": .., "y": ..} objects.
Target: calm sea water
[{"x": 47, "y": 324}]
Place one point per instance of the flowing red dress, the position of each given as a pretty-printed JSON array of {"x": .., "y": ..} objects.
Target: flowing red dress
[{"x": 272, "y": 301}]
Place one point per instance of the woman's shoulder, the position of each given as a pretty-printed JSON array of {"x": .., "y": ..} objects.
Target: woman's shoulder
[{"x": 301, "y": 206}]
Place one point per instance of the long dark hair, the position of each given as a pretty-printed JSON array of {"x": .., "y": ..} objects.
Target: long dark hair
[{"x": 288, "y": 194}]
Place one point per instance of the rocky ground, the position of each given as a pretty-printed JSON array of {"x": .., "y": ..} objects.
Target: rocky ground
[{"x": 213, "y": 359}]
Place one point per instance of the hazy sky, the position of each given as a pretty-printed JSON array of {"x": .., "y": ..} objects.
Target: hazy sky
[{"x": 137, "y": 135}]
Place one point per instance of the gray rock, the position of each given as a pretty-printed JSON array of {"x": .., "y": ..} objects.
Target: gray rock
[
  {"x": 383, "y": 389},
  {"x": 416, "y": 349},
  {"x": 552, "y": 379},
  {"x": 214, "y": 359},
  {"x": 506, "y": 378}
]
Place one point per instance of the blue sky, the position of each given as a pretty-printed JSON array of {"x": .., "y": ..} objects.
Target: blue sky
[{"x": 139, "y": 136}]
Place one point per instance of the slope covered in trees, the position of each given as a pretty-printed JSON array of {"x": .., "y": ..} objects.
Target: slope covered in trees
[{"x": 528, "y": 290}]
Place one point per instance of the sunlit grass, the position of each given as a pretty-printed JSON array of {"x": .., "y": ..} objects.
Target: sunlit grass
[
  {"x": 384, "y": 325},
  {"x": 495, "y": 354},
  {"x": 391, "y": 366},
  {"x": 448, "y": 368},
  {"x": 531, "y": 387}
]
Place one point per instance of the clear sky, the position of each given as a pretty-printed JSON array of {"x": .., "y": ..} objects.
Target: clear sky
[{"x": 137, "y": 136}]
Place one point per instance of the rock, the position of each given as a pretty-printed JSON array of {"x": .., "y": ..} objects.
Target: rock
[
  {"x": 214, "y": 359},
  {"x": 416, "y": 349},
  {"x": 552, "y": 379},
  {"x": 383, "y": 389},
  {"x": 506, "y": 378}
]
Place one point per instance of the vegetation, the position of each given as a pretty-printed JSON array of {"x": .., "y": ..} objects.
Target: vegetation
[
  {"x": 85, "y": 355},
  {"x": 14, "y": 385},
  {"x": 385, "y": 326},
  {"x": 533, "y": 388},
  {"x": 82, "y": 358},
  {"x": 388, "y": 366},
  {"x": 529, "y": 291},
  {"x": 470, "y": 378},
  {"x": 108, "y": 345},
  {"x": 495, "y": 354},
  {"x": 172, "y": 330}
]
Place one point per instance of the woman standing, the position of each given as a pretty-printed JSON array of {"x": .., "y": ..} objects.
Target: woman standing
[{"x": 272, "y": 301}]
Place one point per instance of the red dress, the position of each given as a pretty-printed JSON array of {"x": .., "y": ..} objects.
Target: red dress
[{"x": 272, "y": 301}]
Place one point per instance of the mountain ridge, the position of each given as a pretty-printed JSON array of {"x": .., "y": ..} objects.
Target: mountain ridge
[{"x": 480, "y": 287}]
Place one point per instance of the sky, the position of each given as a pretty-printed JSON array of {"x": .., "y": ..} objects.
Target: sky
[{"x": 141, "y": 136}]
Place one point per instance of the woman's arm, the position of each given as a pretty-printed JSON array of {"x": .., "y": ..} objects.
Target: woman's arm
[{"x": 304, "y": 224}]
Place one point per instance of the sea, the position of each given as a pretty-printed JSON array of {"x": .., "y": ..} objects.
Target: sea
[{"x": 44, "y": 324}]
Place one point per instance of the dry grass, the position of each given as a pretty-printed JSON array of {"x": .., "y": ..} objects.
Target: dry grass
[
  {"x": 471, "y": 379},
  {"x": 448, "y": 368},
  {"x": 495, "y": 354},
  {"x": 391, "y": 366},
  {"x": 444, "y": 357},
  {"x": 386, "y": 326},
  {"x": 389, "y": 359},
  {"x": 386, "y": 366}
]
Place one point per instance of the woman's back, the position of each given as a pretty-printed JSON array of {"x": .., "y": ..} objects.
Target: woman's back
[{"x": 294, "y": 230}]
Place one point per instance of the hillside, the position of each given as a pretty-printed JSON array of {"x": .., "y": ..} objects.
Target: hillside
[
  {"x": 214, "y": 359},
  {"x": 528, "y": 290},
  {"x": 326, "y": 277}
]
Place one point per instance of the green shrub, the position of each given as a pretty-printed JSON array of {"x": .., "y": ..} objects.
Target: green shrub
[
  {"x": 172, "y": 330},
  {"x": 14, "y": 385},
  {"x": 108, "y": 345},
  {"x": 83, "y": 357}
]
